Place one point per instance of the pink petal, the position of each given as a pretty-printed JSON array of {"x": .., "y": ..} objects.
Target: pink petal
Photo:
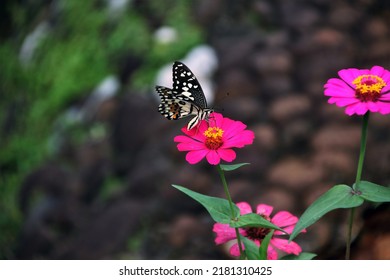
[
  {"x": 245, "y": 208},
  {"x": 215, "y": 119},
  {"x": 191, "y": 146},
  {"x": 224, "y": 233},
  {"x": 197, "y": 132},
  {"x": 386, "y": 89},
  {"x": 212, "y": 157},
  {"x": 373, "y": 106},
  {"x": 232, "y": 128},
  {"x": 193, "y": 157},
  {"x": 342, "y": 101},
  {"x": 357, "y": 108},
  {"x": 284, "y": 219},
  {"x": 264, "y": 209},
  {"x": 183, "y": 138},
  {"x": 339, "y": 92},
  {"x": 234, "y": 250},
  {"x": 286, "y": 246},
  {"x": 338, "y": 85},
  {"x": 227, "y": 154},
  {"x": 240, "y": 140},
  {"x": 186, "y": 139},
  {"x": 348, "y": 75},
  {"x": 384, "y": 108},
  {"x": 226, "y": 123},
  {"x": 378, "y": 71},
  {"x": 271, "y": 253}
]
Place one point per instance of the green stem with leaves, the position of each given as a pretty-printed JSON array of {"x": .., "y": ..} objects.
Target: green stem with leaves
[
  {"x": 363, "y": 142},
  {"x": 229, "y": 198}
]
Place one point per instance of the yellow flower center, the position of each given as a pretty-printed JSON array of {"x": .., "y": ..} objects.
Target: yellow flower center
[
  {"x": 213, "y": 137},
  {"x": 368, "y": 87}
]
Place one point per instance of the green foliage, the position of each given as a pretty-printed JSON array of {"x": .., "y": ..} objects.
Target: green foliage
[
  {"x": 231, "y": 167},
  {"x": 131, "y": 33},
  {"x": 263, "y": 250},
  {"x": 340, "y": 196},
  {"x": 251, "y": 249},
  {"x": 252, "y": 220},
  {"x": 220, "y": 211},
  {"x": 301, "y": 256},
  {"x": 178, "y": 15},
  {"x": 373, "y": 192},
  {"x": 254, "y": 252},
  {"x": 218, "y": 208}
]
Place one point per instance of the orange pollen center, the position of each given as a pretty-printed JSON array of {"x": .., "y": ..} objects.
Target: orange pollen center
[
  {"x": 213, "y": 138},
  {"x": 368, "y": 87}
]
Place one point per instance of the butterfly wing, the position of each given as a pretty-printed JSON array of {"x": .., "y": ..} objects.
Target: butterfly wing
[
  {"x": 186, "y": 84},
  {"x": 175, "y": 106},
  {"x": 186, "y": 98}
]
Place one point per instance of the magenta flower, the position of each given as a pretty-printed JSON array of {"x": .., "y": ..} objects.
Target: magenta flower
[
  {"x": 360, "y": 90},
  {"x": 283, "y": 219},
  {"x": 214, "y": 139}
]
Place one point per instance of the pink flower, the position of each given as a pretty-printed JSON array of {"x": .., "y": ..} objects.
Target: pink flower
[
  {"x": 360, "y": 90},
  {"x": 214, "y": 139},
  {"x": 283, "y": 219}
]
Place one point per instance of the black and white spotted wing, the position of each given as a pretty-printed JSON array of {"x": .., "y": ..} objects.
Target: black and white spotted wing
[
  {"x": 185, "y": 82},
  {"x": 185, "y": 99}
]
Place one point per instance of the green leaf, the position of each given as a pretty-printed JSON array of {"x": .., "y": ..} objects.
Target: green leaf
[
  {"x": 263, "y": 250},
  {"x": 339, "y": 196},
  {"x": 301, "y": 256},
  {"x": 373, "y": 192},
  {"x": 218, "y": 208},
  {"x": 252, "y": 220},
  {"x": 251, "y": 249},
  {"x": 231, "y": 167}
]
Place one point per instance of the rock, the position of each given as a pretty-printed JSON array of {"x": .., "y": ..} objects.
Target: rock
[
  {"x": 265, "y": 137},
  {"x": 283, "y": 109},
  {"x": 104, "y": 233},
  {"x": 235, "y": 83},
  {"x": 242, "y": 108},
  {"x": 295, "y": 174},
  {"x": 183, "y": 230},
  {"x": 376, "y": 29},
  {"x": 338, "y": 164},
  {"x": 280, "y": 199},
  {"x": 337, "y": 137},
  {"x": 345, "y": 16},
  {"x": 272, "y": 61}
]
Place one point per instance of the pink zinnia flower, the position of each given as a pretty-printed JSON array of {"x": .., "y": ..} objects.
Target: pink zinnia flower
[
  {"x": 283, "y": 219},
  {"x": 360, "y": 90},
  {"x": 214, "y": 139}
]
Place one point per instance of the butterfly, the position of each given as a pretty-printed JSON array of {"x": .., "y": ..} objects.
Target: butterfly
[{"x": 185, "y": 99}]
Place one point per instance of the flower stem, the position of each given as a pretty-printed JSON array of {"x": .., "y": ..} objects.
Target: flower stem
[
  {"x": 363, "y": 142},
  {"x": 229, "y": 198},
  {"x": 362, "y": 148}
]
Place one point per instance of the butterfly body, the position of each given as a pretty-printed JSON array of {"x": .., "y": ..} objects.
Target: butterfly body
[{"x": 185, "y": 99}]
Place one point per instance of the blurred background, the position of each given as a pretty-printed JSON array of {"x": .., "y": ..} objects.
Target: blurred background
[{"x": 87, "y": 162}]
